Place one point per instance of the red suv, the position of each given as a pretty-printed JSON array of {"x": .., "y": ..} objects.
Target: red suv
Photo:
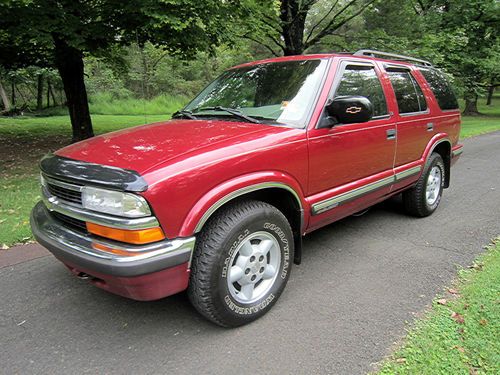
[{"x": 216, "y": 201}]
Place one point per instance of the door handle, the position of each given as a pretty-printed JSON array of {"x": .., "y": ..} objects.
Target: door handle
[
  {"x": 430, "y": 126},
  {"x": 391, "y": 133}
]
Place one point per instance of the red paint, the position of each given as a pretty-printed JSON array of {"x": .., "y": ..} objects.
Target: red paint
[
  {"x": 148, "y": 287},
  {"x": 191, "y": 164}
]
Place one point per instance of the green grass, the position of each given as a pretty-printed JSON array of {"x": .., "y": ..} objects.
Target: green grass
[
  {"x": 460, "y": 334},
  {"x": 106, "y": 104},
  {"x": 17, "y": 196},
  {"x": 472, "y": 126},
  {"x": 488, "y": 121}
]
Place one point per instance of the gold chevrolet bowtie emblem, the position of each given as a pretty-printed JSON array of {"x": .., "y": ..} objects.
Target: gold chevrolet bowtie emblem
[{"x": 353, "y": 110}]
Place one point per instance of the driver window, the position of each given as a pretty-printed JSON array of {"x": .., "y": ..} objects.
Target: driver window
[{"x": 363, "y": 81}]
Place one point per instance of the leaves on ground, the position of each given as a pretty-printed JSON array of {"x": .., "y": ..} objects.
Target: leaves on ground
[
  {"x": 459, "y": 335},
  {"x": 458, "y": 317}
]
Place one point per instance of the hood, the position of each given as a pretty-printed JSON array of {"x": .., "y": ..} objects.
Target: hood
[{"x": 141, "y": 148}]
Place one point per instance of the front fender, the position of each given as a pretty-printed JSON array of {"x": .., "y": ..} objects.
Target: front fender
[{"x": 236, "y": 187}]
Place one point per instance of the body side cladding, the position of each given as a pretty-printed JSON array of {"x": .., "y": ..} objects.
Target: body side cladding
[{"x": 337, "y": 200}]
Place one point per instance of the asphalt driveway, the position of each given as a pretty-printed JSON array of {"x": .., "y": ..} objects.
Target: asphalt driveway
[{"x": 361, "y": 281}]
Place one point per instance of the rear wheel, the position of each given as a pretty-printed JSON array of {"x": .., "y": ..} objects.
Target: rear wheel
[
  {"x": 424, "y": 198},
  {"x": 241, "y": 263}
]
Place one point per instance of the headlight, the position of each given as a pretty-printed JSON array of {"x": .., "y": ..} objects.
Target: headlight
[{"x": 114, "y": 202}]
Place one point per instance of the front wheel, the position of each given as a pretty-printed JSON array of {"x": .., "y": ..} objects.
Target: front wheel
[
  {"x": 241, "y": 263},
  {"x": 424, "y": 198}
]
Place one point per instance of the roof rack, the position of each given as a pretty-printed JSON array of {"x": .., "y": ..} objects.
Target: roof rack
[{"x": 392, "y": 56}]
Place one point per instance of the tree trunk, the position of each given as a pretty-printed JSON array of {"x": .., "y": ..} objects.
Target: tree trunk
[
  {"x": 471, "y": 105},
  {"x": 293, "y": 18},
  {"x": 145, "y": 73},
  {"x": 20, "y": 93},
  {"x": 13, "y": 93},
  {"x": 69, "y": 63},
  {"x": 51, "y": 92},
  {"x": 5, "y": 98},
  {"x": 491, "y": 90},
  {"x": 39, "y": 94}
]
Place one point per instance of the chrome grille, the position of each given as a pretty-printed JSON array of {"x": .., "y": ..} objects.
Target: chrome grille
[
  {"x": 66, "y": 194},
  {"x": 63, "y": 190}
]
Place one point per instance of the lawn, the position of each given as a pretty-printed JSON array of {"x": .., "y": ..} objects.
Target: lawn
[
  {"x": 26, "y": 139},
  {"x": 489, "y": 120},
  {"x": 461, "y": 333}
]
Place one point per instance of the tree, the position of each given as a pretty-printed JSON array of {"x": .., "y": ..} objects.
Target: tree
[
  {"x": 4, "y": 97},
  {"x": 64, "y": 31},
  {"x": 468, "y": 39},
  {"x": 459, "y": 37},
  {"x": 290, "y": 27}
]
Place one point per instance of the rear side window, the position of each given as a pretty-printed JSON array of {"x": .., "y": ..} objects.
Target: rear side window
[
  {"x": 363, "y": 81},
  {"x": 409, "y": 95},
  {"x": 441, "y": 89}
]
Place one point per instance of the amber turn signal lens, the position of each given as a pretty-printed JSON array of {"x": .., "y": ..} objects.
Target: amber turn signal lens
[
  {"x": 112, "y": 250},
  {"x": 136, "y": 237}
]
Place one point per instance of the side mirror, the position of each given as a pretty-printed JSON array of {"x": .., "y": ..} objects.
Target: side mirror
[{"x": 350, "y": 109}]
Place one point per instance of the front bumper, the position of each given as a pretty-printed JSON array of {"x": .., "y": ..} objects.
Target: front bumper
[{"x": 117, "y": 273}]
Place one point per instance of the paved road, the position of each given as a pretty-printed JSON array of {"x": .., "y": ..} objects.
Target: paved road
[{"x": 360, "y": 282}]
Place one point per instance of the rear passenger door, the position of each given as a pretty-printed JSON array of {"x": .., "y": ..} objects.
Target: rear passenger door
[{"x": 415, "y": 127}]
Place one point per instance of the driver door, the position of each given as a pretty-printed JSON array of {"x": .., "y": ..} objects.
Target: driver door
[{"x": 351, "y": 165}]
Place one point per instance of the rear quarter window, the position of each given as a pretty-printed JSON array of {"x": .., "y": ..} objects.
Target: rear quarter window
[
  {"x": 409, "y": 95},
  {"x": 441, "y": 88}
]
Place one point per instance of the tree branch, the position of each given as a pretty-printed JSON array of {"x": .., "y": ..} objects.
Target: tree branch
[
  {"x": 260, "y": 43},
  {"x": 331, "y": 26},
  {"x": 321, "y": 20}
]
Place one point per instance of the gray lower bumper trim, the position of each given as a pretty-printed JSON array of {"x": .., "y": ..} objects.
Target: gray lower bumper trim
[{"x": 76, "y": 248}]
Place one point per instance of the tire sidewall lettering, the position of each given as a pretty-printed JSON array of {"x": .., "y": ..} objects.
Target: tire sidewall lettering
[
  {"x": 441, "y": 187},
  {"x": 286, "y": 247},
  {"x": 262, "y": 304}
]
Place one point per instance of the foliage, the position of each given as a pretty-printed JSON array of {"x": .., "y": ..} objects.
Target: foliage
[
  {"x": 58, "y": 33},
  {"x": 290, "y": 27},
  {"x": 459, "y": 335}
]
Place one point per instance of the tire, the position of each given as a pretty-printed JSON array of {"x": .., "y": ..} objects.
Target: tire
[
  {"x": 240, "y": 246},
  {"x": 424, "y": 198}
]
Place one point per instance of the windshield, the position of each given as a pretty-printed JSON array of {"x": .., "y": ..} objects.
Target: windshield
[{"x": 281, "y": 92}]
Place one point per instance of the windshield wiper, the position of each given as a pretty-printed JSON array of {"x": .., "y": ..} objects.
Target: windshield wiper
[
  {"x": 232, "y": 111},
  {"x": 184, "y": 113}
]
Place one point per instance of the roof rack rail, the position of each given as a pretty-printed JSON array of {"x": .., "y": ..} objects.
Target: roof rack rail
[{"x": 392, "y": 56}]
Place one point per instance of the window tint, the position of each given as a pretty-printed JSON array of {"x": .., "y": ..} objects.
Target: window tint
[
  {"x": 441, "y": 89},
  {"x": 408, "y": 93},
  {"x": 362, "y": 80}
]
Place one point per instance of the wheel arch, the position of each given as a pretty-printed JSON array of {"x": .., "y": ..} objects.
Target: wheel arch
[
  {"x": 442, "y": 147},
  {"x": 280, "y": 194}
]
